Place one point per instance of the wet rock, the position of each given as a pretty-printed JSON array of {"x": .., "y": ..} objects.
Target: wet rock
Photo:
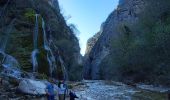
[
  {"x": 14, "y": 81},
  {"x": 1, "y": 57},
  {"x": 33, "y": 87},
  {"x": 6, "y": 85},
  {"x": 12, "y": 95}
]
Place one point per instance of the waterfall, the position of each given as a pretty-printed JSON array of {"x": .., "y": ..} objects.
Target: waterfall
[
  {"x": 34, "y": 59},
  {"x": 35, "y": 41},
  {"x": 63, "y": 68},
  {"x": 50, "y": 55},
  {"x": 35, "y": 35}
]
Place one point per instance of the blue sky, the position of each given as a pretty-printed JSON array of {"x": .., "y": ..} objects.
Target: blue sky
[{"x": 87, "y": 15}]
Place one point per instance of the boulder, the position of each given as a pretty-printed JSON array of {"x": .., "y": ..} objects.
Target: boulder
[{"x": 33, "y": 87}]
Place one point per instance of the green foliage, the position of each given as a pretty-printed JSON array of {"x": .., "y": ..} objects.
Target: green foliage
[
  {"x": 142, "y": 52},
  {"x": 66, "y": 46},
  {"x": 74, "y": 29},
  {"x": 43, "y": 76},
  {"x": 67, "y": 49},
  {"x": 20, "y": 42},
  {"x": 30, "y": 14},
  {"x": 75, "y": 72},
  {"x": 148, "y": 95},
  {"x": 43, "y": 66}
]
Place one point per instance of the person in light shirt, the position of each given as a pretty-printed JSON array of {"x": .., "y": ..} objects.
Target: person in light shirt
[{"x": 61, "y": 90}]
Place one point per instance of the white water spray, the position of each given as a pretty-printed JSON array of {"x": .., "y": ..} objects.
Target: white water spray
[
  {"x": 35, "y": 40},
  {"x": 50, "y": 55}
]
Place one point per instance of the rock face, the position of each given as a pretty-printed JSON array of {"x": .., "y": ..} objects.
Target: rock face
[
  {"x": 126, "y": 12},
  {"x": 17, "y": 29}
]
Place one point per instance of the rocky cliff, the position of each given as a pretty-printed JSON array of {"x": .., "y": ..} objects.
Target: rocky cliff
[
  {"x": 126, "y": 12},
  {"x": 17, "y": 37}
]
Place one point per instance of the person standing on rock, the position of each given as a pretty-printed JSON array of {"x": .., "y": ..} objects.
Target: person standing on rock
[
  {"x": 61, "y": 90},
  {"x": 50, "y": 91}
]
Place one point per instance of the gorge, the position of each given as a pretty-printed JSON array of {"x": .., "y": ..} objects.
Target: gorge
[{"x": 128, "y": 59}]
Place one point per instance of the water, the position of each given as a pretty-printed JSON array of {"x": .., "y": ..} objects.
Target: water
[
  {"x": 35, "y": 35},
  {"x": 63, "y": 68},
  {"x": 50, "y": 55},
  {"x": 35, "y": 40},
  {"x": 34, "y": 60}
]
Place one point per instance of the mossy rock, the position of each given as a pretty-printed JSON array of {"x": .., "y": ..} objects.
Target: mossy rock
[
  {"x": 43, "y": 66},
  {"x": 21, "y": 47},
  {"x": 30, "y": 14}
]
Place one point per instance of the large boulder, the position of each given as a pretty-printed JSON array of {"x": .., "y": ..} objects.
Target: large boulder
[{"x": 33, "y": 87}]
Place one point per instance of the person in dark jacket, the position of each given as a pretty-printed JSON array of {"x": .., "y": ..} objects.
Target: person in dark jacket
[{"x": 72, "y": 95}]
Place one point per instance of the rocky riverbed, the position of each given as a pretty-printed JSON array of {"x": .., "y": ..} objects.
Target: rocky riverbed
[
  {"x": 109, "y": 90},
  {"x": 91, "y": 90}
]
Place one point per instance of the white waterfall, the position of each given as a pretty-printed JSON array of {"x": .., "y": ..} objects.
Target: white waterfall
[
  {"x": 63, "y": 68},
  {"x": 35, "y": 40},
  {"x": 50, "y": 55},
  {"x": 34, "y": 59},
  {"x": 35, "y": 35}
]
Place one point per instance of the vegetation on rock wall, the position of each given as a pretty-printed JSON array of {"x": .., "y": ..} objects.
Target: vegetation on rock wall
[
  {"x": 20, "y": 42},
  {"x": 142, "y": 51}
]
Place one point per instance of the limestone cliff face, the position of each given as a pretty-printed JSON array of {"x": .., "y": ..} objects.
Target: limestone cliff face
[
  {"x": 126, "y": 12},
  {"x": 19, "y": 44}
]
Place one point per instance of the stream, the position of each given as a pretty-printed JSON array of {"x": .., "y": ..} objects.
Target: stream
[{"x": 110, "y": 90}]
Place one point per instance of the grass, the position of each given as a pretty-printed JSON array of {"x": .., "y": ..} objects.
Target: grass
[{"x": 147, "y": 95}]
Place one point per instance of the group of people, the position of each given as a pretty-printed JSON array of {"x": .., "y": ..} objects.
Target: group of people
[{"x": 62, "y": 91}]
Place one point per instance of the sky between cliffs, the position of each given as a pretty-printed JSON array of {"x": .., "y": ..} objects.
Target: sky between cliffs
[{"x": 87, "y": 15}]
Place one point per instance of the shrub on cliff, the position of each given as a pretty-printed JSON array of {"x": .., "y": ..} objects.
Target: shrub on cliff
[{"x": 142, "y": 52}]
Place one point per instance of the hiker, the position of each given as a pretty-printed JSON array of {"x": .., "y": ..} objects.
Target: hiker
[
  {"x": 50, "y": 91},
  {"x": 72, "y": 95},
  {"x": 61, "y": 90}
]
